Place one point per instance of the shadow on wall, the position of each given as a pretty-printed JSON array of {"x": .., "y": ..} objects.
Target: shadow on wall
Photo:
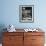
[{"x": 2, "y": 26}]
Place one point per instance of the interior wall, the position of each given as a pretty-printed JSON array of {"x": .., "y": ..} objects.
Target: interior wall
[{"x": 10, "y": 13}]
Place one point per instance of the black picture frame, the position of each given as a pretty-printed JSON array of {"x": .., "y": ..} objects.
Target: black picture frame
[{"x": 26, "y": 13}]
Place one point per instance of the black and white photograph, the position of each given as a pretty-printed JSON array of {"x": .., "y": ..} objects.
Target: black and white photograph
[{"x": 26, "y": 13}]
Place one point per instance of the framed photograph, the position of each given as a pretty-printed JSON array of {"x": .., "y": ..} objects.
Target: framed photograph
[{"x": 26, "y": 13}]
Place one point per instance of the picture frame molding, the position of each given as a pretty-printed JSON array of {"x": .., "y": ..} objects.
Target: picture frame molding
[{"x": 20, "y": 14}]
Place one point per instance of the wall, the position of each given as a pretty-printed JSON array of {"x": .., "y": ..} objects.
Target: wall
[{"x": 10, "y": 13}]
